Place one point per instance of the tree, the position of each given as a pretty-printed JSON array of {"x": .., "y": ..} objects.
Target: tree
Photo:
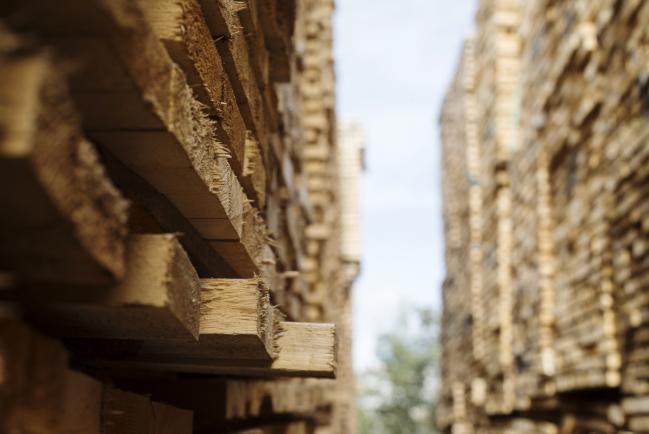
[{"x": 399, "y": 396}]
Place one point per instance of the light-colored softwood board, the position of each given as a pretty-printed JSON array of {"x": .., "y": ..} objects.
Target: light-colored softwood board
[
  {"x": 184, "y": 31},
  {"x": 63, "y": 220},
  {"x": 159, "y": 298},
  {"x": 237, "y": 319},
  {"x": 223, "y": 22},
  {"x": 303, "y": 350},
  {"x": 163, "y": 304}
]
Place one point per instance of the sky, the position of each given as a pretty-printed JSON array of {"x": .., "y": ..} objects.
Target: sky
[{"x": 394, "y": 60}]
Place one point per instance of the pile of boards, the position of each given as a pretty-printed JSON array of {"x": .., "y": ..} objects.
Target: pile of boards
[
  {"x": 545, "y": 138},
  {"x": 172, "y": 257}
]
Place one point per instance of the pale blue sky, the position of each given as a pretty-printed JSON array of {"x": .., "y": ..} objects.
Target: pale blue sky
[{"x": 394, "y": 61}]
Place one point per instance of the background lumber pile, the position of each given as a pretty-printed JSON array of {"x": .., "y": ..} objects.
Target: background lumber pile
[
  {"x": 575, "y": 180},
  {"x": 173, "y": 252},
  {"x": 458, "y": 328},
  {"x": 533, "y": 261},
  {"x": 497, "y": 67}
]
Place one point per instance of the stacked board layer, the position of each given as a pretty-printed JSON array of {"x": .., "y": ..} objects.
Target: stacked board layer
[
  {"x": 173, "y": 256},
  {"x": 545, "y": 319}
]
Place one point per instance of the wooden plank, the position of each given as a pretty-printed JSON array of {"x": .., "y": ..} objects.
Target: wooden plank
[
  {"x": 159, "y": 298},
  {"x": 237, "y": 322},
  {"x": 237, "y": 319},
  {"x": 320, "y": 358},
  {"x": 303, "y": 350},
  {"x": 63, "y": 220},
  {"x": 225, "y": 27},
  {"x": 181, "y": 26}
]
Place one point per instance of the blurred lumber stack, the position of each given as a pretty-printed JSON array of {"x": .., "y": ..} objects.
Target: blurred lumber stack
[
  {"x": 626, "y": 149},
  {"x": 578, "y": 308},
  {"x": 351, "y": 164},
  {"x": 497, "y": 69},
  {"x": 587, "y": 354},
  {"x": 598, "y": 417},
  {"x": 171, "y": 219},
  {"x": 533, "y": 259},
  {"x": 459, "y": 322},
  {"x": 319, "y": 158}
]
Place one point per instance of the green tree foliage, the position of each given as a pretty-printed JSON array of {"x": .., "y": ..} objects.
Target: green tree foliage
[{"x": 399, "y": 396}]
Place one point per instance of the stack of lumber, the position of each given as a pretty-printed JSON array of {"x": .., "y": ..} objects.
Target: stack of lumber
[
  {"x": 533, "y": 260},
  {"x": 497, "y": 70},
  {"x": 350, "y": 167},
  {"x": 572, "y": 189},
  {"x": 320, "y": 164},
  {"x": 587, "y": 351},
  {"x": 172, "y": 216},
  {"x": 626, "y": 149},
  {"x": 473, "y": 167},
  {"x": 457, "y": 330}
]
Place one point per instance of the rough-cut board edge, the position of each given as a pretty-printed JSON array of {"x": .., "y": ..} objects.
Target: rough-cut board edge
[
  {"x": 159, "y": 298},
  {"x": 259, "y": 60},
  {"x": 254, "y": 170},
  {"x": 310, "y": 347},
  {"x": 182, "y": 28},
  {"x": 239, "y": 309},
  {"x": 67, "y": 221},
  {"x": 223, "y": 22},
  {"x": 204, "y": 56},
  {"x": 259, "y": 56}
]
